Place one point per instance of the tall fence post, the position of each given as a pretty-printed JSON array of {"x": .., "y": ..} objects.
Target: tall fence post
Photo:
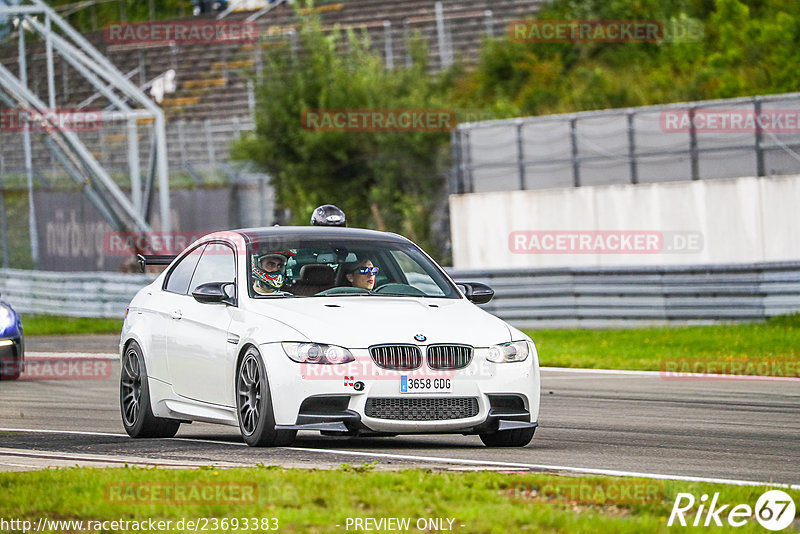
[
  {"x": 26, "y": 142},
  {"x": 455, "y": 168},
  {"x": 262, "y": 193},
  {"x": 4, "y": 226},
  {"x": 408, "y": 44},
  {"x": 64, "y": 81},
  {"x": 632, "y": 149},
  {"x": 445, "y": 54},
  {"x": 467, "y": 158},
  {"x": 760, "y": 171},
  {"x": 182, "y": 142},
  {"x": 576, "y": 164},
  {"x": 142, "y": 69},
  {"x": 489, "y": 16},
  {"x": 251, "y": 97},
  {"x": 387, "y": 44},
  {"x": 212, "y": 154},
  {"x": 521, "y": 156},
  {"x": 693, "y": 153}
]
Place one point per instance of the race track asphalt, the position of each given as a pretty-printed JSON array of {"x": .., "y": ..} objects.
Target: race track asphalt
[{"x": 744, "y": 430}]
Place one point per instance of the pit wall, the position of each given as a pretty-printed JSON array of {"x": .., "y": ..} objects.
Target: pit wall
[{"x": 723, "y": 221}]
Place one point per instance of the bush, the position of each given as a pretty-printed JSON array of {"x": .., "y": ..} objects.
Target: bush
[{"x": 386, "y": 180}]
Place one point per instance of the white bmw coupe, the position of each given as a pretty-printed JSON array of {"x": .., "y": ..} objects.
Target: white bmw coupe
[{"x": 337, "y": 330}]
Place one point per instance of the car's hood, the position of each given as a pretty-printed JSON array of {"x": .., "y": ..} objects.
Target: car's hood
[{"x": 359, "y": 322}]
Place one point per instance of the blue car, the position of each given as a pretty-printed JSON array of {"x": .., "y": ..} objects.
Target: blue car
[{"x": 12, "y": 343}]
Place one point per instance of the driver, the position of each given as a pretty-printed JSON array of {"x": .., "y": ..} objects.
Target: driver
[
  {"x": 361, "y": 273},
  {"x": 268, "y": 272}
]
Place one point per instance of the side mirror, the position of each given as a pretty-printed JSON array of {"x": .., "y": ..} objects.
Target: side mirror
[
  {"x": 476, "y": 292},
  {"x": 214, "y": 293}
]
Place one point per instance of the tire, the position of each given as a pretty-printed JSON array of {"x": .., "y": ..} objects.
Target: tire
[
  {"x": 134, "y": 399},
  {"x": 508, "y": 438},
  {"x": 254, "y": 405}
]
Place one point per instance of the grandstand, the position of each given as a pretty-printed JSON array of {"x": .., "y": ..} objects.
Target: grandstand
[{"x": 214, "y": 93}]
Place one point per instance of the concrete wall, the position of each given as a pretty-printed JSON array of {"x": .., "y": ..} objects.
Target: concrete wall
[{"x": 742, "y": 220}]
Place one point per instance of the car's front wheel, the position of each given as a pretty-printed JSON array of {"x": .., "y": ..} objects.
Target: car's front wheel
[
  {"x": 134, "y": 399},
  {"x": 508, "y": 438},
  {"x": 254, "y": 405}
]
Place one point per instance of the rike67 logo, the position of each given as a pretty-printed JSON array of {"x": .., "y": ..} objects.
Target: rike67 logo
[{"x": 774, "y": 510}]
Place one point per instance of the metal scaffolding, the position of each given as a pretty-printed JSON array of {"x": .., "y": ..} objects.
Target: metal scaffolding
[{"x": 126, "y": 103}]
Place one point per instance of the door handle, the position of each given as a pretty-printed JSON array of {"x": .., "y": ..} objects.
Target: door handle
[{"x": 176, "y": 314}]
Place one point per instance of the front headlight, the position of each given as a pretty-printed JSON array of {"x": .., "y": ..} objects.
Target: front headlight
[
  {"x": 516, "y": 351},
  {"x": 317, "y": 353}
]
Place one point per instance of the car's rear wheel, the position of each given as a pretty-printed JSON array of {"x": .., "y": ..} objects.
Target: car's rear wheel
[
  {"x": 134, "y": 399},
  {"x": 508, "y": 438},
  {"x": 254, "y": 405}
]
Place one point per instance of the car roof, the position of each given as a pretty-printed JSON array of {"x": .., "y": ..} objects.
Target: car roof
[{"x": 319, "y": 232}]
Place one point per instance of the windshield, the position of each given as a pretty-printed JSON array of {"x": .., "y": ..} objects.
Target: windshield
[{"x": 342, "y": 267}]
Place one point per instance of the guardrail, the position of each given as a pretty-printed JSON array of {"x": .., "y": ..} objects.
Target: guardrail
[
  {"x": 84, "y": 294},
  {"x": 602, "y": 297},
  {"x": 527, "y": 298}
]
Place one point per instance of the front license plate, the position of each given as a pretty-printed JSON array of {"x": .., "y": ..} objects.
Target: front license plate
[{"x": 425, "y": 385}]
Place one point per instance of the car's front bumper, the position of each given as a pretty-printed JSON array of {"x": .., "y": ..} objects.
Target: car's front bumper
[{"x": 293, "y": 385}]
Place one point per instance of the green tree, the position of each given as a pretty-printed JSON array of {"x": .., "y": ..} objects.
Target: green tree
[
  {"x": 746, "y": 47},
  {"x": 386, "y": 180}
]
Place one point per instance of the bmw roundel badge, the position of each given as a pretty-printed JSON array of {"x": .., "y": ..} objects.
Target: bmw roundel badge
[{"x": 420, "y": 337}]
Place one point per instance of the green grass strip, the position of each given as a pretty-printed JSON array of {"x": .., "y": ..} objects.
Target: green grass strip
[
  {"x": 688, "y": 348},
  {"x": 648, "y": 349},
  {"x": 318, "y": 500},
  {"x": 50, "y": 325}
]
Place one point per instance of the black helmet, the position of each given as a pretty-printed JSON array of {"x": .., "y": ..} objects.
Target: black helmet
[{"x": 328, "y": 215}]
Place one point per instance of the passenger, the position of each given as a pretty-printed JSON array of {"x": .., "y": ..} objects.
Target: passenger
[
  {"x": 361, "y": 273},
  {"x": 268, "y": 273}
]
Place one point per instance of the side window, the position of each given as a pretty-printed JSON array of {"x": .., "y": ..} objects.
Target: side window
[
  {"x": 178, "y": 279},
  {"x": 217, "y": 264}
]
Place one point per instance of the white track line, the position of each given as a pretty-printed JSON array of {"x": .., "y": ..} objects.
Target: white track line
[
  {"x": 582, "y": 370},
  {"x": 458, "y": 461},
  {"x": 106, "y": 459},
  {"x": 672, "y": 376},
  {"x": 668, "y": 375},
  {"x": 22, "y": 465}
]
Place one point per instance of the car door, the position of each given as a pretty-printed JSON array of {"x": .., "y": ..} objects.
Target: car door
[
  {"x": 199, "y": 354},
  {"x": 171, "y": 298}
]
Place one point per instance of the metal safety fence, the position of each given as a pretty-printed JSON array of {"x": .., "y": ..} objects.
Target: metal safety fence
[
  {"x": 527, "y": 298},
  {"x": 731, "y": 138}
]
